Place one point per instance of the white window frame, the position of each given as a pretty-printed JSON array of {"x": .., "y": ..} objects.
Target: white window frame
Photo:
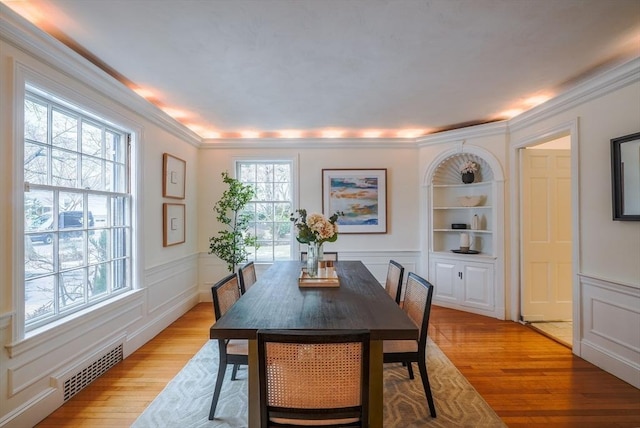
[
  {"x": 293, "y": 161},
  {"x": 25, "y": 76}
]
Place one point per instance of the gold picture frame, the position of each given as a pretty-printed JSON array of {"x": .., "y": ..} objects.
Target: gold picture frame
[
  {"x": 173, "y": 220},
  {"x": 173, "y": 176}
]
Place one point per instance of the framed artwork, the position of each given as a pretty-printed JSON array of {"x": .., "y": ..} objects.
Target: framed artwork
[
  {"x": 361, "y": 194},
  {"x": 173, "y": 176},
  {"x": 625, "y": 177},
  {"x": 173, "y": 224}
]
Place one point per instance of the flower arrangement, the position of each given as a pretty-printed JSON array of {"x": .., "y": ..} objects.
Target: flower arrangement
[
  {"x": 315, "y": 227},
  {"x": 469, "y": 167}
]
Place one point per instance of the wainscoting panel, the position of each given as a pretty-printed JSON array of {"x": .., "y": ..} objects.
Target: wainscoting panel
[{"x": 610, "y": 336}]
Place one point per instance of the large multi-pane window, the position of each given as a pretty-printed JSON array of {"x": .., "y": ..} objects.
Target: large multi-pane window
[
  {"x": 270, "y": 208},
  {"x": 77, "y": 210}
]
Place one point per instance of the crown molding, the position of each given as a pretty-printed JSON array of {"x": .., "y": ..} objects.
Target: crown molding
[
  {"x": 309, "y": 143},
  {"x": 597, "y": 86},
  {"x": 462, "y": 134},
  {"x": 25, "y": 36}
]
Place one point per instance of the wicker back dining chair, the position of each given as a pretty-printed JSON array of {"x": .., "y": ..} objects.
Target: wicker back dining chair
[
  {"x": 327, "y": 255},
  {"x": 225, "y": 293},
  {"x": 393, "y": 284},
  {"x": 417, "y": 305},
  {"x": 247, "y": 277},
  {"x": 314, "y": 377}
]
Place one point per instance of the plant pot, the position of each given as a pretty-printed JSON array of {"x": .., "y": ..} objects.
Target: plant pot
[
  {"x": 314, "y": 254},
  {"x": 468, "y": 177}
]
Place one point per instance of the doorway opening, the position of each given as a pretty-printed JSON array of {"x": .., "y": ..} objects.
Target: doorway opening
[{"x": 546, "y": 285}]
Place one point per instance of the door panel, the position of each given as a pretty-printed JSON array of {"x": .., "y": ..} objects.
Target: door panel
[{"x": 546, "y": 235}]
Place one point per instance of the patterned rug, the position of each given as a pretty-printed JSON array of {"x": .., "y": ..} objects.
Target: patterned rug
[{"x": 186, "y": 400}]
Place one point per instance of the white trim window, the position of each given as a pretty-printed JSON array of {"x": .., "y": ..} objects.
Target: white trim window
[
  {"x": 77, "y": 209},
  {"x": 271, "y": 207}
]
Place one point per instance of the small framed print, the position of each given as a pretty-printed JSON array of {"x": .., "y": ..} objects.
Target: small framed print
[
  {"x": 361, "y": 194},
  {"x": 173, "y": 224},
  {"x": 173, "y": 175}
]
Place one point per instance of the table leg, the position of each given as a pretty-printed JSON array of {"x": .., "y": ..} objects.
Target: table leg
[
  {"x": 376, "y": 398},
  {"x": 254, "y": 386}
]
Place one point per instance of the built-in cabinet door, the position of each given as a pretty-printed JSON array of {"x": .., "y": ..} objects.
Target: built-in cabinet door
[
  {"x": 463, "y": 283},
  {"x": 477, "y": 280},
  {"x": 445, "y": 280}
]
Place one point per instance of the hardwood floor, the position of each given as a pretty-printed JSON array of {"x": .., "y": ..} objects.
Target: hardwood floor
[{"x": 527, "y": 378}]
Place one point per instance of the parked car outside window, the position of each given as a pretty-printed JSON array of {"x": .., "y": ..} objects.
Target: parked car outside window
[{"x": 66, "y": 220}]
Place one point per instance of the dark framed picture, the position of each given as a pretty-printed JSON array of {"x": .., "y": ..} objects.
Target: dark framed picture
[
  {"x": 361, "y": 194},
  {"x": 625, "y": 177},
  {"x": 173, "y": 224},
  {"x": 173, "y": 175}
]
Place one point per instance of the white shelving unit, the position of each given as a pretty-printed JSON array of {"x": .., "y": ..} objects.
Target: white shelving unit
[{"x": 464, "y": 281}]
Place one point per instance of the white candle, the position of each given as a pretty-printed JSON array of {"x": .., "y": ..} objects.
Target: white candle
[{"x": 464, "y": 240}]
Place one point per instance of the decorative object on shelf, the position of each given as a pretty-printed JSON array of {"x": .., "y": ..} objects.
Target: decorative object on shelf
[
  {"x": 468, "y": 170},
  {"x": 466, "y": 252},
  {"x": 361, "y": 194},
  {"x": 470, "y": 201},
  {"x": 475, "y": 222},
  {"x": 458, "y": 226},
  {"x": 464, "y": 242},
  {"x": 314, "y": 230}
]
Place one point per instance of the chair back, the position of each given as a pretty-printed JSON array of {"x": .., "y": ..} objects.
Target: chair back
[
  {"x": 417, "y": 305},
  {"x": 247, "y": 276},
  {"x": 314, "y": 375},
  {"x": 225, "y": 293},
  {"x": 327, "y": 255},
  {"x": 393, "y": 284}
]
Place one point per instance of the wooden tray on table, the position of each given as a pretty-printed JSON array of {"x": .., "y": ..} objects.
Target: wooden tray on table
[{"x": 328, "y": 278}]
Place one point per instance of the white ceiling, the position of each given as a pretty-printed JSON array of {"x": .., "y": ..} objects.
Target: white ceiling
[{"x": 225, "y": 67}]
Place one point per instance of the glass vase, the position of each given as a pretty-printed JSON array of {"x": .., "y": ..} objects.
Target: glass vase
[{"x": 314, "y": 255}]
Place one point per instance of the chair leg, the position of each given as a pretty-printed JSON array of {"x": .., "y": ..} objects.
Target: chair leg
[
  {"x": 410, "y": 369},
  {"x": 422, "y": 366},
  {"x": 235, "y": 371},
  {"x": 222, "y": 368}
]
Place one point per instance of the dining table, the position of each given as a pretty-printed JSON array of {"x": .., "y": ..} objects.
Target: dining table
[{"x": 278, "y": 301}]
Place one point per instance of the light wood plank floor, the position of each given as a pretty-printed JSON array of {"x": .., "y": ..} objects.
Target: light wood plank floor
[{"x": 528, "y": 379}]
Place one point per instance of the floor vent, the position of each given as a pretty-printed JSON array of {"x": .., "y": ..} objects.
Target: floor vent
[{"x": 77, "y": 382}]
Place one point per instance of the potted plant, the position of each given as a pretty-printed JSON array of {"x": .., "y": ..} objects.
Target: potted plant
[
  {"x": 468, "y": 170},
  {"x": 314, "y": 230},
  {"x": 231, "y": 242}
]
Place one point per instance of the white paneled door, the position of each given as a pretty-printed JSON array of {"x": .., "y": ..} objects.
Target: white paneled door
[{"x": 546, "y": 235}]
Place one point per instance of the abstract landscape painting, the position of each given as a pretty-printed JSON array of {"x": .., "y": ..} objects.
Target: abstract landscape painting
[{"x": 361, "y": 194}]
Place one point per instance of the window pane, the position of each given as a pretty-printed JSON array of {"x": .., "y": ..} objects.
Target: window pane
[
  {"x": 38, "y": 297},
  {"x": 71, "y": 288},
  {"x": 64, "y": 167},
  {"x": 37, "y": 210},
  {"x": 98, "y": 209},
  {"x": 71, "y": 250},
  {"x": 35, "y": 163},
  {"x": 118, "y": 211},
  {"x": 98, "y": 246},
  {"x": 98, "y": 279},
  {"x": 91, "y": 139},
  {"x": 73, "y": 203},
  {"x": 65, "y": 131},
  {"x": 247, "y": 173},
  {"x": 282, "y": 192},
  {"x": 264, "y": 212},
  {"x": 120, "y": 274},
  {"x": 35, "y": 121},
  {"x": 115, "y": 177},
  {"x": 38, "y": 258},
  {"x": 92, "y": 175}
]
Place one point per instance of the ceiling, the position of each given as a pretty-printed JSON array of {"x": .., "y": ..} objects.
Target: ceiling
[{"x": 343, "y": 68}]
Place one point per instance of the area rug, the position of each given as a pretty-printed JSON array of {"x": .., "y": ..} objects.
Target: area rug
[{"x": 186, "y": 400}]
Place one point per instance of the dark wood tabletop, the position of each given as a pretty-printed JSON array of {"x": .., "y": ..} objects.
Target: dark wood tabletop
[{"x": 276, "y": 301}]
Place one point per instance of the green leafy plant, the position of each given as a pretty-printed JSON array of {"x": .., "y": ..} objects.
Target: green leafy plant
[{"x": 230, "y": 244}]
